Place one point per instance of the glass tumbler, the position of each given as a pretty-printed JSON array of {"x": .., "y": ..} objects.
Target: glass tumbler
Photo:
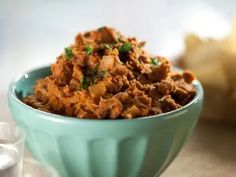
[
  {"x": 32, "y": 168},
  {"x": 12, "y": 142}
]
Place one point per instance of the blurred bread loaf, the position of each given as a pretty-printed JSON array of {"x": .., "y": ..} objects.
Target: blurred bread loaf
[{"x": 214, "y": 64}]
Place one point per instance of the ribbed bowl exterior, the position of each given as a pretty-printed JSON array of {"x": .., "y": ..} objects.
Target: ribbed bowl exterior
[{"x": 102, "y": 148}]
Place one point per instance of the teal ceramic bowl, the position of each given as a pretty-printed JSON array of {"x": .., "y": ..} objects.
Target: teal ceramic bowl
[{"x": 142, "y": 147}]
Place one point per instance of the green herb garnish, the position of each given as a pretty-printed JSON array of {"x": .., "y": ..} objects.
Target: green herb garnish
[
  {"x": 84, "y": 83},
  {"x": 125, "y": 47},
  {"x": 88, "y": 50},
  {"x": 120, "y": 40},
  {"x": 91, "y": 77},
  {"x": 155, "y": 61},
  {"x": 94, "y": 74},
  {"x": 103, "y": 73},
  {"x": 92, "y": 80},
  {"x": 95, "y": 69},
  {"x": 101, "y": 28},
  {"x": 69, "y": 53}
]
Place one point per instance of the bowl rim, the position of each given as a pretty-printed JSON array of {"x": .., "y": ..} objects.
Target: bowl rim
[{"x": 67, "y": 119}]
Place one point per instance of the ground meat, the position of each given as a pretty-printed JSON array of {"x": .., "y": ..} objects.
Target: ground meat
[
  {"x": 183, "y": 91},
  {"x": 33, "y": 101},
  {"x": 168, "y": 104},
  {"x": 109, "y": 108},
  {"x": 105, "y": 75},
  {"x": 159, "y": 72},
  {"x": 62, "y": 71}
]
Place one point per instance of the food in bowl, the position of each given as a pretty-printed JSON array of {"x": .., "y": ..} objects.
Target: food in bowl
[
  {"x": 214, "y": 63},
  {"x": 140, "y": 147},
  {"x": 105, "y": 75}
]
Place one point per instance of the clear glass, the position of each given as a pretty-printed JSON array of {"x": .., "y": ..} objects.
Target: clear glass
[
  {"x": 31, "y": 168},
  {"x": 12, "y": 142}
]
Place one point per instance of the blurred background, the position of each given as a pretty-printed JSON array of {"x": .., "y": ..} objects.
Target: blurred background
[{"x": 35, "y": 32}]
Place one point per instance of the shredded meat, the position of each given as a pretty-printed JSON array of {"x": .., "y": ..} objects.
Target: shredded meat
[
  {"x": 105, "y": 75},
  {"x": 109, "y": 108}
]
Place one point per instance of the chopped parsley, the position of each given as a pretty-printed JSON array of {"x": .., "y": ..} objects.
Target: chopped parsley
[
  {"x": 91, "y": 77},
  {"x": 69, "y": 53},
  {"x": 88, "y": 50},
  {"x": 103, "y": 73},
  {"x": 120, "y": 40},
  {"x": 95, "y": 69},
  {"x": 155, "y": 61},
  {"x": 92, "y": 80},
  {"x": 94, "y": 73},
  {"x": 101, "y": 28},
  {"x": 125, "y": 47},
  {"x": 84, "y": 83}
]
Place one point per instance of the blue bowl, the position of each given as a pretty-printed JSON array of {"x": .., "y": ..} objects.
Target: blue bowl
[{"x": 142, "y": 147}]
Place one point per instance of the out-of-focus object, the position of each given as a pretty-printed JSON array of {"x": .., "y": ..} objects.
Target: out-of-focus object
[
  {"x": 32, "y": 168},
  {"x": 12, "y": 142},
  {"x": 214, "y": 63}
]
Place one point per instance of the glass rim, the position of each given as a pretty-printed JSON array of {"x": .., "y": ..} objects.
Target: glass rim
[{"x": 21, "y": 138}]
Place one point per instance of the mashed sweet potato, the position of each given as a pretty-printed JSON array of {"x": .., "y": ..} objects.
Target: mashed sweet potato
[{"x": 105, "y": 75}]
